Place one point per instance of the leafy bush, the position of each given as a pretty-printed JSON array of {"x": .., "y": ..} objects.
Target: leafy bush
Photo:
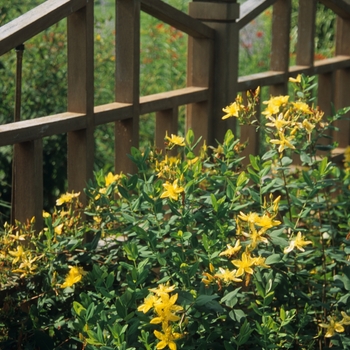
[{"x": 193, "y": 251}]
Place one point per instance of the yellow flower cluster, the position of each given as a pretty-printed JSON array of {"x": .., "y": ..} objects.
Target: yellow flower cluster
[
  {"x": 67, "y": 198},
  {"x": 254, "y": 227},
  {"x": 165, "y": 310},
  {"x": 167, "y": 168},
  {"x": 25, "y": 260}
]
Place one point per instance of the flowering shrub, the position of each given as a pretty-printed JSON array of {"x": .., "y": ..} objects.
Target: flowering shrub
[{"x": 194, "y": 250}]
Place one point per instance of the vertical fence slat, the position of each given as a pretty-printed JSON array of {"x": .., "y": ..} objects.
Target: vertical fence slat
[
  {"x": 28, "y": 182},
  {"x": 81, "y": 96},
  {"x": 341, "y": 94},
  {"x": 166, "y": 122},
  {"x": 200, "y": 73},
  {"x": 221, "y": 16},
  {"x": 280, "y": 43},
  {"x": 127, "y": 79},
  {"x": 306, "y": 32}
]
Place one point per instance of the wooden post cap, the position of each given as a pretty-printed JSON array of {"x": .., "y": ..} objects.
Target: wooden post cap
[{"x": 218, "y": 11}]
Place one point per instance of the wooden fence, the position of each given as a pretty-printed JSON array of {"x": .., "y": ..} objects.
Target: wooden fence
[{"x": 212, "y": 80}]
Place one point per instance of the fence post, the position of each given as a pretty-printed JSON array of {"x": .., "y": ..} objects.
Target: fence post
[
  {"x": 221, "y": 16},
  {"x": 81, "y": 97},
  {"x": 27, "y": 166},
  {"x": 342, "y": 77},
  {"x": 280, "y": 44},
  {"x": 127, "y": 79}
]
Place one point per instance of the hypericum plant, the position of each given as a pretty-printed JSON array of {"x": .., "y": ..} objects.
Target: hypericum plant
[{"x": 195, "y": 250}]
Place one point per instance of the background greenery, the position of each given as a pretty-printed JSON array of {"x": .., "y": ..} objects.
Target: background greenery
[{"x": 163, "y": 67}]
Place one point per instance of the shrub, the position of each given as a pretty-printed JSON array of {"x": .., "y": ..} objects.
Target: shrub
[{"x": 194, "y": 250}]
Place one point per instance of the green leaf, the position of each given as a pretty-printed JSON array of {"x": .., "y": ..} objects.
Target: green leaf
[
  {"x": 237, "y": 315},
  {"x": 254, "y": 162},
  {"x": 273, "y": 259},
  {"x": 242, "y": 179},
  {"x": 190, "y": 137},
  {"x": 323, "y": 166},
  {"x": 307, "y": 178},
  {"x": 78, "y": 308},
  {"x": 203, "y": 299}
]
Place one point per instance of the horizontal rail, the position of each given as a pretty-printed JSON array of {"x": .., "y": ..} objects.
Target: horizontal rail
[
  {"x": 177, "y": 19},
  {"x": 173, "y": 99},
  {"x": 112, "y": 112},
  {"x": 28, "y": 130},
  {"x": 269, "y": 78},
  {"x": 35, "y": 21}
]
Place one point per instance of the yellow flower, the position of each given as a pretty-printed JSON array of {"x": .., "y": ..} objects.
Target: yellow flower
[
  {"x": 232, "y": 110},
  {"x": 209, "y": 278},
  {"x": 278, "y": 123},
  {"x": 284, "y": 142},
  {"x": 346, "y": 318},
  {"x": 176, "y": 140},
  {"x": 162, "y": 289},
  {"x": 46, "y": 214},
  {"x": 74, "y": 276},
  {"x": 172, "y": 190},
  {"x": 227, "y": 275},
  {"x": 308, "y": 126},
  {"x": 26, "y": 267},
  {"x": 167, "y": 338},
  {"x": 260, "y": 261},
  {"x": 244, "y": 265},
  {"x": 332, "y": 327},
  {"x": 165, "y": 308},
  {"x": 255, "y": 236},
  {"x": 298, "y": 243},
  {"x": 149, "y": 302},
  {"x": 19, "y": 254},
  {"x": 250, "y": 218},
  {"x": 274, "y": 104},
  {"x": 58, "y": 229},
  {"x": 67, "y": 198},
  {"x": 232, "y": 250},
  {"x": 110, "y": 178},
  {"x": 302, "y": 107},
  {"x": 295, "y": 80},
  {"x": 267, "y": 222},
  {"x": 18, "y": 236}
]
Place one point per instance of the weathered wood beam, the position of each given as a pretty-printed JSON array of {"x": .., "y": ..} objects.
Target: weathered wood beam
[
  {"x": 251, "y": 9},
  {"x": 172, "y": 99},
  {"x": 176, "y": 18},
  {"x": 35, "y": 21},
  {"x": 28, "y": 130},
  {"x": 340, "y": 7}
]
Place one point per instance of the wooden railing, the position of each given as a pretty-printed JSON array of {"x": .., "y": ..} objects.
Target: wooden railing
[{"x": 212, "y": 80}]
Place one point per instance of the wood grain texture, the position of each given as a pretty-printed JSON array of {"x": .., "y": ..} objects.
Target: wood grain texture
[
  {"x": 80, "y": 156},
  {"x": 306, "y": 32},
  {"x": 35, "y": 21},
  {"x": 28, "y": 130}
]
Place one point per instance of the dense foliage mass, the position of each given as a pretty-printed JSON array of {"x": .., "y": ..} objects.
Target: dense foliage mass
[{"x": 196, "y": 249}]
